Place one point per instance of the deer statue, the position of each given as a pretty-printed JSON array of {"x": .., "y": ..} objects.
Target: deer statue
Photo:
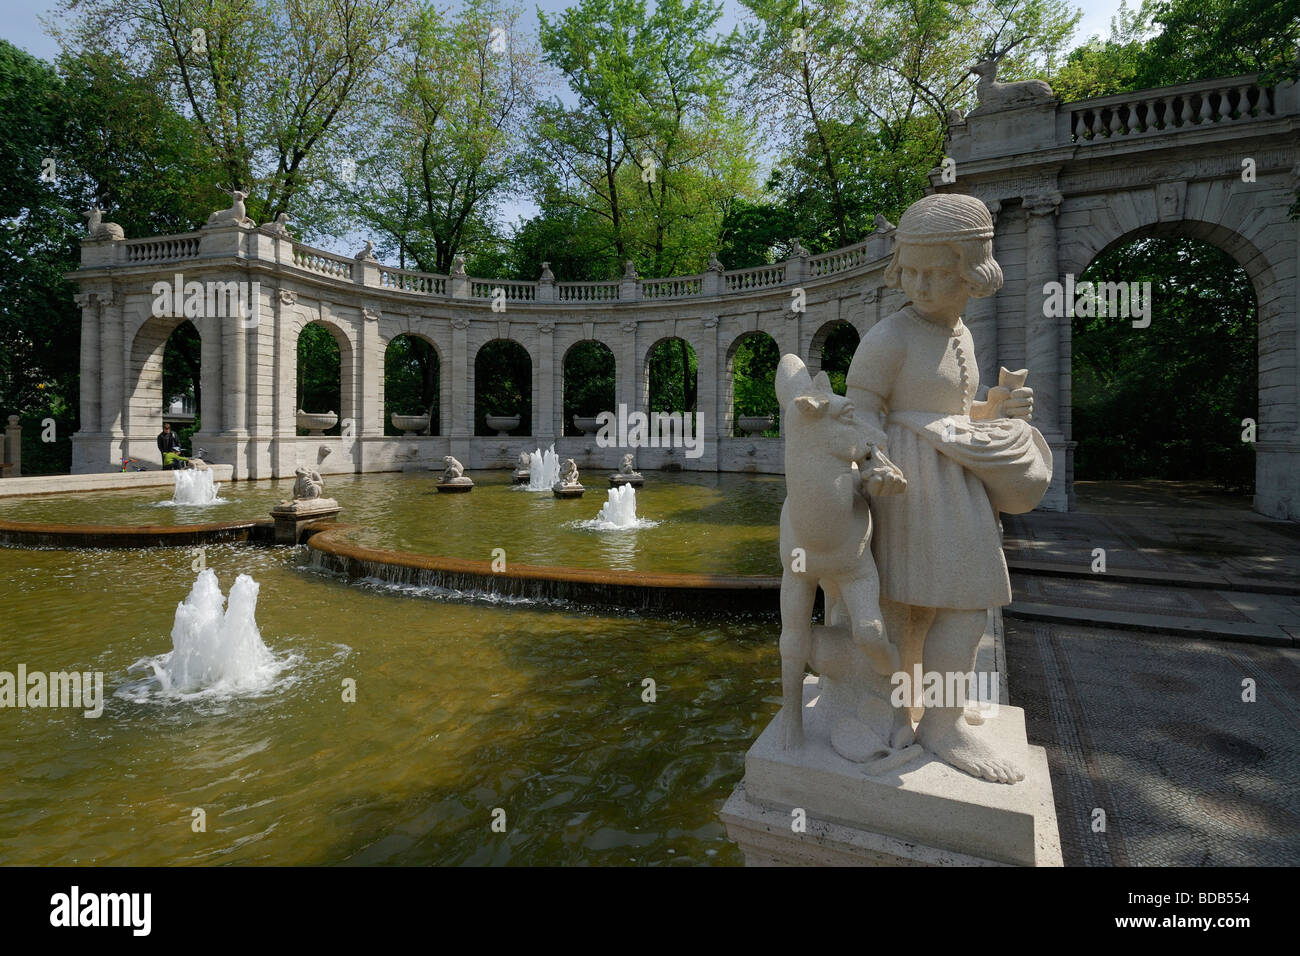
[
  {"x": 236, "y": 214},
  {"x": 993, "y": 95},
  {"x": 832, "y": 461},
  {"x": 97, "y": 229}
]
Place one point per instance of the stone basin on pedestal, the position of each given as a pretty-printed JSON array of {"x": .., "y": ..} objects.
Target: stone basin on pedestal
[{"x": 502, "y": 424}]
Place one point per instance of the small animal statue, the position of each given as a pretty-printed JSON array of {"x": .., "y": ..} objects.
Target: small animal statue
[
  {"x": 525, "y": 461},
  {"x": 367, "y": 253},
  {"x": 627, "y": 468},
  {"x": 832, "y": 463},
  {"x": 883, "y": 225},
  {"x": 453, "y": 469},
  {"x": 715, "y": 264},
  {"x": 955, "y": 118},
  {"x": 96, "y": 228},
  {"x": 237, "y": 213},
  {"x": 993, "y": 95},
  {"x": 308, "y": 484},
  {"x": 279, "y": 227},
  {"x": 568, "y": 472}
]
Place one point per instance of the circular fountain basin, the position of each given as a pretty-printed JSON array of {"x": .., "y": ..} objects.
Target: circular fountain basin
[{"x": 461, "y": 708}]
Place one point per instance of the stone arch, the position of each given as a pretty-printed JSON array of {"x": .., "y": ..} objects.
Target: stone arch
[
  {"x": 578, "y": 400},
  {"x": 1276, "y": 380},
  {"x": 349, "y": 406},
  {"x": 830, "y": 331},
  {"x": 730, "y": 411},
  {"x": 145, "y": 374},
  {"x": 441, "y": 420},
  {"x": 693, "y": 389},
  {"x": 508, "y": 362}
]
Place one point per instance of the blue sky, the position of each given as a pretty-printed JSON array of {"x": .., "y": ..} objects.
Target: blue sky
[{"x": 19, "y": 24}]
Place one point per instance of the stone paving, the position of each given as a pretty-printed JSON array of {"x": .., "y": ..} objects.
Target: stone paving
[
  {"x": 1151, "y": 728},
  {"x": 1153, "y": 731},
  {"x": 1164, "y": 531}
]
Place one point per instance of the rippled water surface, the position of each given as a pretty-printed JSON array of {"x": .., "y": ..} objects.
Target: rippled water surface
[
  {"x": 460, "y": 708},
  {"x": 705, "y": 522}
]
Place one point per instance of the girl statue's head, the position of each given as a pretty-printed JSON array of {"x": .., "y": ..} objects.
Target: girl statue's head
[{"x": 945, "y": 235}]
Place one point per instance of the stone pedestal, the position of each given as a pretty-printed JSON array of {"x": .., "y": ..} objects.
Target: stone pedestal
[
  {"x": 290, "y": 517},
  {"x": 923, "y": 813},
  {"x": 619, "y": 480},
  {"x": 456, "y": 485},
  {"x": 567, "y": 491},
  {"x": 521, "y": 477}
]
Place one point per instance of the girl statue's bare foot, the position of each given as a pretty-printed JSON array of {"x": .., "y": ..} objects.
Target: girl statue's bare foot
[{"x": 945, "y": 733}]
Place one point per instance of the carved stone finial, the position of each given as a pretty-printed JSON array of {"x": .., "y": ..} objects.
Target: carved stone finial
[
  {"x": 883, "y": 225},
  {"x": 629, "y": 270},
  {"x": 367, "y": 253},
  {"x": 458, "y": 266},
  {"x": 547, "y": 274},
  {"x": 715, "y": 265}
]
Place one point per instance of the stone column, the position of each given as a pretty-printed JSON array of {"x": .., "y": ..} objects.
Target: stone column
[
  {"x": 1043, "y": 342},
  {"x": 462, "y": 396},
  {"x": 112, "y": 373},
  {"x": 284, "y": 415},
  {"x": 982, "y": 320},
  {"x": 544, "y": 413},
  {"x": 1042, "y": 333},
  {"x": 628, "y": 386},
  {"x": 370, "y": 409},
  {"x": 210, "y": 411},
  {"x": 712, "y": 419},
  {"x": 90, "y": 359},
  {"x": 234, "y": 384}
]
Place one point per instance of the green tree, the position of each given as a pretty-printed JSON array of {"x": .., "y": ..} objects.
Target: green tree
[
  {"x": 269, "y": 84},
  {"x": 431, "y": 183}
]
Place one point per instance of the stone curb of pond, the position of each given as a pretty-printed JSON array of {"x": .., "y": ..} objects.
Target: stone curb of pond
[{"x": 633, "y": 589}]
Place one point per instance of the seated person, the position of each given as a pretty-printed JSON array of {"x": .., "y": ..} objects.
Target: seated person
[{"x": 170, "y": 446}]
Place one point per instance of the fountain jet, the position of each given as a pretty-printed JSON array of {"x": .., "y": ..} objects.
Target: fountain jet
[
  {"x": 194, "y": 486},
  {"x": 543, "y": 469}
]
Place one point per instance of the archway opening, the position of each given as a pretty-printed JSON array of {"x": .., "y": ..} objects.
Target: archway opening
[
  {"x": 588, "y": 382},
  {"x": 412, "y": 382},
  {"x": 838, "y": 343},
  {"x": 320, "y": 375},
  {"x": 672, "y": 377},
  {"x": 752, "y": 366},
  {"x": 503, "y": 385},
  {"x": 1169, "y": 398},
  {"x": 182, "y": 383}
]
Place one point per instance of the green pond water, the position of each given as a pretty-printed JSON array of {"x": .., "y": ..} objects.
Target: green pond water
[
  {"x": 704, "y": 522},
  {"x": 461, "y": 708}
]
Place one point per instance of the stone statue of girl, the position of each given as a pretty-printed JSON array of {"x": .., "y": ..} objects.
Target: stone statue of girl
[{"x": 959, "y": 462}]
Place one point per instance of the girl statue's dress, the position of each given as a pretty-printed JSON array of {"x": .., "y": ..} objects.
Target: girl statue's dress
[{"x": 938, "y": 543}]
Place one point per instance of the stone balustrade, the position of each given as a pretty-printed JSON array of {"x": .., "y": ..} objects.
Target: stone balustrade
[{"x": 1238, "y": 99}]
